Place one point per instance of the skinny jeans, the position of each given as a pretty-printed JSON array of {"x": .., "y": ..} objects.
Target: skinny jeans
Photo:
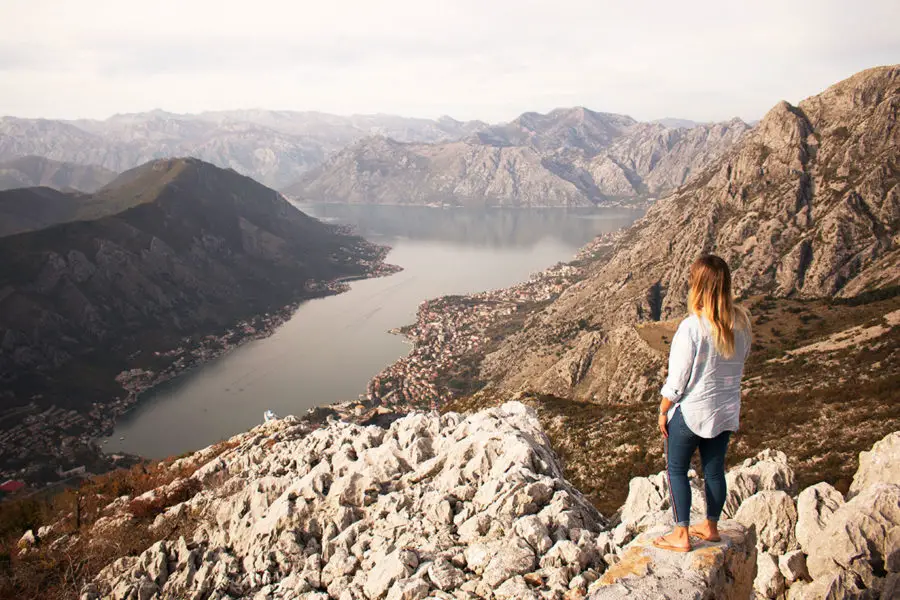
[{"x": 682, "y": 442}]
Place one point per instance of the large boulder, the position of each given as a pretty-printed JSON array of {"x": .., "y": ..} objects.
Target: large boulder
[
  {"x": 649, "y": 503},
  {"x": 879, "y": 465},
  {"x": 768, "y": 470},
  {"x": 723, "y": 570},
  {"x": 815, "y": 506},
  {"x": 772, "y": 515},
  {"x": 769, "y": 582},
  {"x": 860, "y": 537}
]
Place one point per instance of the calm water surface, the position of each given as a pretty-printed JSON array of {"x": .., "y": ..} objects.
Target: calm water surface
[{"x": 331, "y": 347}]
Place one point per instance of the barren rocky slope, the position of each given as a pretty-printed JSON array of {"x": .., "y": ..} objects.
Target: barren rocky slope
[
  {"x": 459, "y": 507},
  {"x": 33, "y": 171},
  {"x": 568, "y": 157},
  {"x": 807, "y": 205},
  {"x": 383, "y": 171}
]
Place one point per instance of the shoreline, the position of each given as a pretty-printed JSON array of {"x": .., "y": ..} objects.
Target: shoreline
[
  {"x": 140, "y": 381},
  {"x": 71, "y": 442}
]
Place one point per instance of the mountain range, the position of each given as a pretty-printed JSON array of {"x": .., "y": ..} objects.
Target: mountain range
[
  {"x": 273, "y": 147},
  {"x": 568, "y": 157}
]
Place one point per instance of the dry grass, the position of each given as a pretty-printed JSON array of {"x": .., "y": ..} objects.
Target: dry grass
[{"x": 72, "y": 555}]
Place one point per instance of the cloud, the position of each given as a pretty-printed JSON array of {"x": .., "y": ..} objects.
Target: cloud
[{"x": 490, "y": 60}]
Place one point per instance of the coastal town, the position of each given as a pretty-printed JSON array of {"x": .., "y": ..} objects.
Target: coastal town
[{"x": 453, "y": 333}]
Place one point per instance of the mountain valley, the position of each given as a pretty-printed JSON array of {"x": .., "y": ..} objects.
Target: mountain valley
[{"x": 535, "y": 473}]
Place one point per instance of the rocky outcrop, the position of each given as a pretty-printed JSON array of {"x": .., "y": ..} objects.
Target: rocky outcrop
[
  {"x": 862, "y": 536},
  {"x": 723, "y": 570},
  {"x": 880, "y": 465},
  {"x": 474, "y": 507},
  {"x": 847, "y": 550},
  {"x": 815, "y": 507},
  {"x": 471, "y": 504}
]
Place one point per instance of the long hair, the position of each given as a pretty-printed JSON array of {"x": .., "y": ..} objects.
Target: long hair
[{"x": 711, "y": 297}]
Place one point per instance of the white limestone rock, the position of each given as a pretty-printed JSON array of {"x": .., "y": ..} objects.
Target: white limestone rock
[
  {"x": 515, "y": 588},
  {"x": 879, "y": 465},
  {"x": 444, "y": 575},
  {"x": 362, "y": 512},
  {"x": 859, "y": 536},
  {"x": 410, "y": 589},
  {"x": 395, "y": 566},
  {"x": 773, "y": 515},
  {"x": 723, "y": 570},
  {"x": 768, "y": 470},
  {"x": 515, "y": 557},
  {"x": 793, "y": 566},
  {"x": 815, "y": 506},
  {"x": 769, "y": 582}
]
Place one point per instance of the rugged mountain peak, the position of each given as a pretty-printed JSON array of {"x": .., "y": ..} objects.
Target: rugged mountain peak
[{"x": 784, "y": 127}]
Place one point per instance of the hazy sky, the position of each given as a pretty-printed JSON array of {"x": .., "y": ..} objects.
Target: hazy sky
[{"x": 487, "y": 59}]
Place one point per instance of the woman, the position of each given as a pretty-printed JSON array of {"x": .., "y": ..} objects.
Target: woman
[{"x": 701, "y": 399}]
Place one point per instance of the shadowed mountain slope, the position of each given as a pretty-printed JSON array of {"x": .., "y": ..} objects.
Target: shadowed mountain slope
[{"x": 169, "y": 249}]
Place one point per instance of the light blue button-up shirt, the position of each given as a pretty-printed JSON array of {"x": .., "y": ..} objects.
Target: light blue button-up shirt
[{"x": 705, "y": 384}]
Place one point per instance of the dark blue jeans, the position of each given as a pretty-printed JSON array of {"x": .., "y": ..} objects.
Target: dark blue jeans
[{"x": 681, "y": 446}]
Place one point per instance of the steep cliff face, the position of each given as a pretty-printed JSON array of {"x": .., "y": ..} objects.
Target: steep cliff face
[
  {"x": 171, "y": 248},
  {"x": 807, "y": 205},
  {"x": 568, "y": 157},
  {"x": 33, "y": 171}
]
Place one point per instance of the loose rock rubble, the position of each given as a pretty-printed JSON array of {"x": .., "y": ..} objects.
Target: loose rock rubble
[{"x": 468, "y": 507}]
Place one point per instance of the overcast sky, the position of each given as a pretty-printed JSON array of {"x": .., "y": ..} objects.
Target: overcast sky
[{"x": 485, "y": 59}]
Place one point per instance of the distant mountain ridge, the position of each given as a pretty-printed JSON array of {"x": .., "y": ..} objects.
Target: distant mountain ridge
[
  {"x": 566, "y": 158},
  {"x": 34, "y": 171},
  {"x": 273, "y": 147},
  {"x": 279, "y": 148}
]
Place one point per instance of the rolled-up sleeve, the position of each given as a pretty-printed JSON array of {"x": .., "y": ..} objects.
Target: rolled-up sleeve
[{"x": 681, "y": 362}]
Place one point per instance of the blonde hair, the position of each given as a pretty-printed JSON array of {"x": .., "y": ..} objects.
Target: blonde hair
[{"x": 710, "y": 296}]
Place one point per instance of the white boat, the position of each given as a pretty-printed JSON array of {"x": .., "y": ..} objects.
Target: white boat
[{"x": 269, "y": 415}]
